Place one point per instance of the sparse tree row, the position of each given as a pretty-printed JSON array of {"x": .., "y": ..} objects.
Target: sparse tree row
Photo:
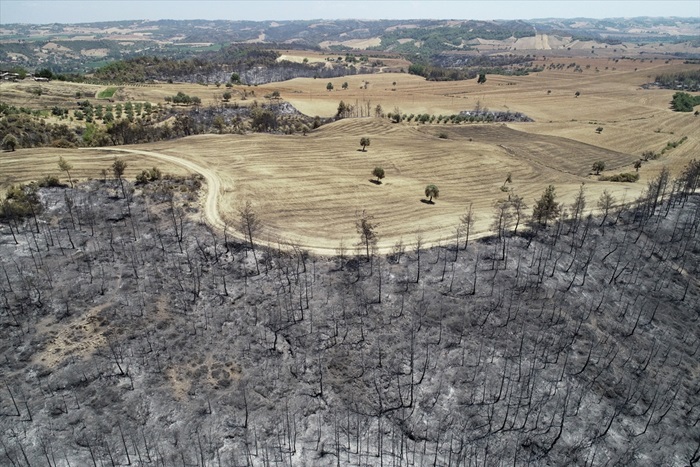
[{"x": 132, "y": 334}]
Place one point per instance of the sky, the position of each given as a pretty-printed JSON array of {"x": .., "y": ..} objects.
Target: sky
[{"x": 83, "y": 11}]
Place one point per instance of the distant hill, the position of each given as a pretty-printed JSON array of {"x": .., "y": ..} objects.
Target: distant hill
[{"x": 87, "y": 46}]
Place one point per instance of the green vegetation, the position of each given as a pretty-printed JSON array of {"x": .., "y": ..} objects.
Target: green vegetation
[
  {"x": 432, "y": 191},
  {"x": 623, "y": 177},
  {"x": 107, "y": 93},
  {"x": 598, "y": 167},
  {"x": 432, "y": 39},
  {"x": 546, "y": 208},
  {"x": 66, "y": 167},
  {"x": 684, "y": 102},
  {"x": 364, "y": 142},
  {"x": 182, "y": 98},
  {"x": 379, "y": 173},
  {"x": 672, "y": 145},
  {"x": 688, "y": 80},
  {"x": 9, "y": 142},
  {"x": 147, "y": 176}
]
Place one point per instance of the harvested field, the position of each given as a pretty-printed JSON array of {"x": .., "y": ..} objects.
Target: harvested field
[{"x": 310, "y": 189}]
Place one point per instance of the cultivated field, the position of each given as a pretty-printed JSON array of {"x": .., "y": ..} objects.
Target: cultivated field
[{"x": 310, "y": 189}]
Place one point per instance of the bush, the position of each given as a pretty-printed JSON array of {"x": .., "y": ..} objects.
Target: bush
[
  {"x": 623, "y": 177},
  {"x": 50, "y": 181}
]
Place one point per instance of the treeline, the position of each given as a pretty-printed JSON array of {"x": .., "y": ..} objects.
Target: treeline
[
  {"x": 155, "y": 124},
  {"x": 253, "y": 64},
  {"x": 687, "y": 80},
  {"x": 433, "y": 40},
  {"x": 455, "y": 67}
]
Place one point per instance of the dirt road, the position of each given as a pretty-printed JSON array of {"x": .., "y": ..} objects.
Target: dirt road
[{"x": 211, "y": 203}]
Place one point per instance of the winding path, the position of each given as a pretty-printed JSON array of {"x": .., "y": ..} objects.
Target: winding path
[{"x": 211, "y": 203}]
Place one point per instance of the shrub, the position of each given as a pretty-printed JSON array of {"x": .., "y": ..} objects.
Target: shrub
[
  {"x": 50, "y": 181},
  {"x": 623, "y": 177}
]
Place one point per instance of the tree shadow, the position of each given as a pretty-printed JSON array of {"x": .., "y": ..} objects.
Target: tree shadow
[
  {"x": 376, "y": 182},
  {"x": 427, "y": 201},
  {"x": 361, "y": 150}
]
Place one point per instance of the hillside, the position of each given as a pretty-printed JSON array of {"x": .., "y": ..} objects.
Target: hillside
[{"x": 131, "y": 333}]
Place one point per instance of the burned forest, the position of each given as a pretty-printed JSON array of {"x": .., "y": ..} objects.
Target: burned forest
[{"x": 134, "y": 334}]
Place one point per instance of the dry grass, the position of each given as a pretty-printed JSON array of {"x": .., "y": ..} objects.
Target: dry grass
[{"x": 310, "y": 189}]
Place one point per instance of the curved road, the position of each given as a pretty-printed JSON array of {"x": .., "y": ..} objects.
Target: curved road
[{"x": 211, "y": 204}]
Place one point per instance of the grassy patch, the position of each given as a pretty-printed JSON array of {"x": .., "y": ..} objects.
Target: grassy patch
[{"x": 107, "y": 93}]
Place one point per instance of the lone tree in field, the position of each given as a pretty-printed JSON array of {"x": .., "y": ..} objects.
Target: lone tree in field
[
  {"x": 578, "y": 93},
  {"x": 482, "y": 78},
  {"x": 345, "y": 85},
  {"x": 9, "y": 142},
  {"x": 546, "y": 208},
  {"x": 364, "y": 142},
  {"x": 509, "y": 179},
  {"x": 599, "y": 130},
  {"x": 432, "y": 191},
  {"x": 379, "y": 173},
  {"x": 637, "y": 164},
  {"x": 66, "y": 167},
  {"x": 329, "y": 86},
  {"x": 598, "y": 167},
  {"x": 366, "y": 227}
]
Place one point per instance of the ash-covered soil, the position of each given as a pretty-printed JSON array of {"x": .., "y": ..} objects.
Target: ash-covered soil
[{"x": 131, "y": 334}]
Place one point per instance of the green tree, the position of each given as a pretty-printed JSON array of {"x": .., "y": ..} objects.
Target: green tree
[
  {"x": 605, "y": 203},
  {"x": 482, "y": 78},
  {"x": 345, "y": 85},
  {"x": 342, "y": 110},
  {"x": 432, "y": 191},
  {"x": 364, "y": 142},
  {"x": 366, "y": 227},
  {"x": 637, "y": 164},
  {"x": 235, "y": 78},
  {"x": 118, "y": 168},
  {"x": 9, "y": 142},
  {"x": 379, "y": 173},
  {"x": 598, "y": 167},
  {"x": 44, "y": 73},
  {"x": 66, "y": 167},
  {"x": 329, "y": 86},
  {"x": 599, "y": 130},
  {"x": 227, "y": 96},
  {"x": 546, "y": 208}
]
